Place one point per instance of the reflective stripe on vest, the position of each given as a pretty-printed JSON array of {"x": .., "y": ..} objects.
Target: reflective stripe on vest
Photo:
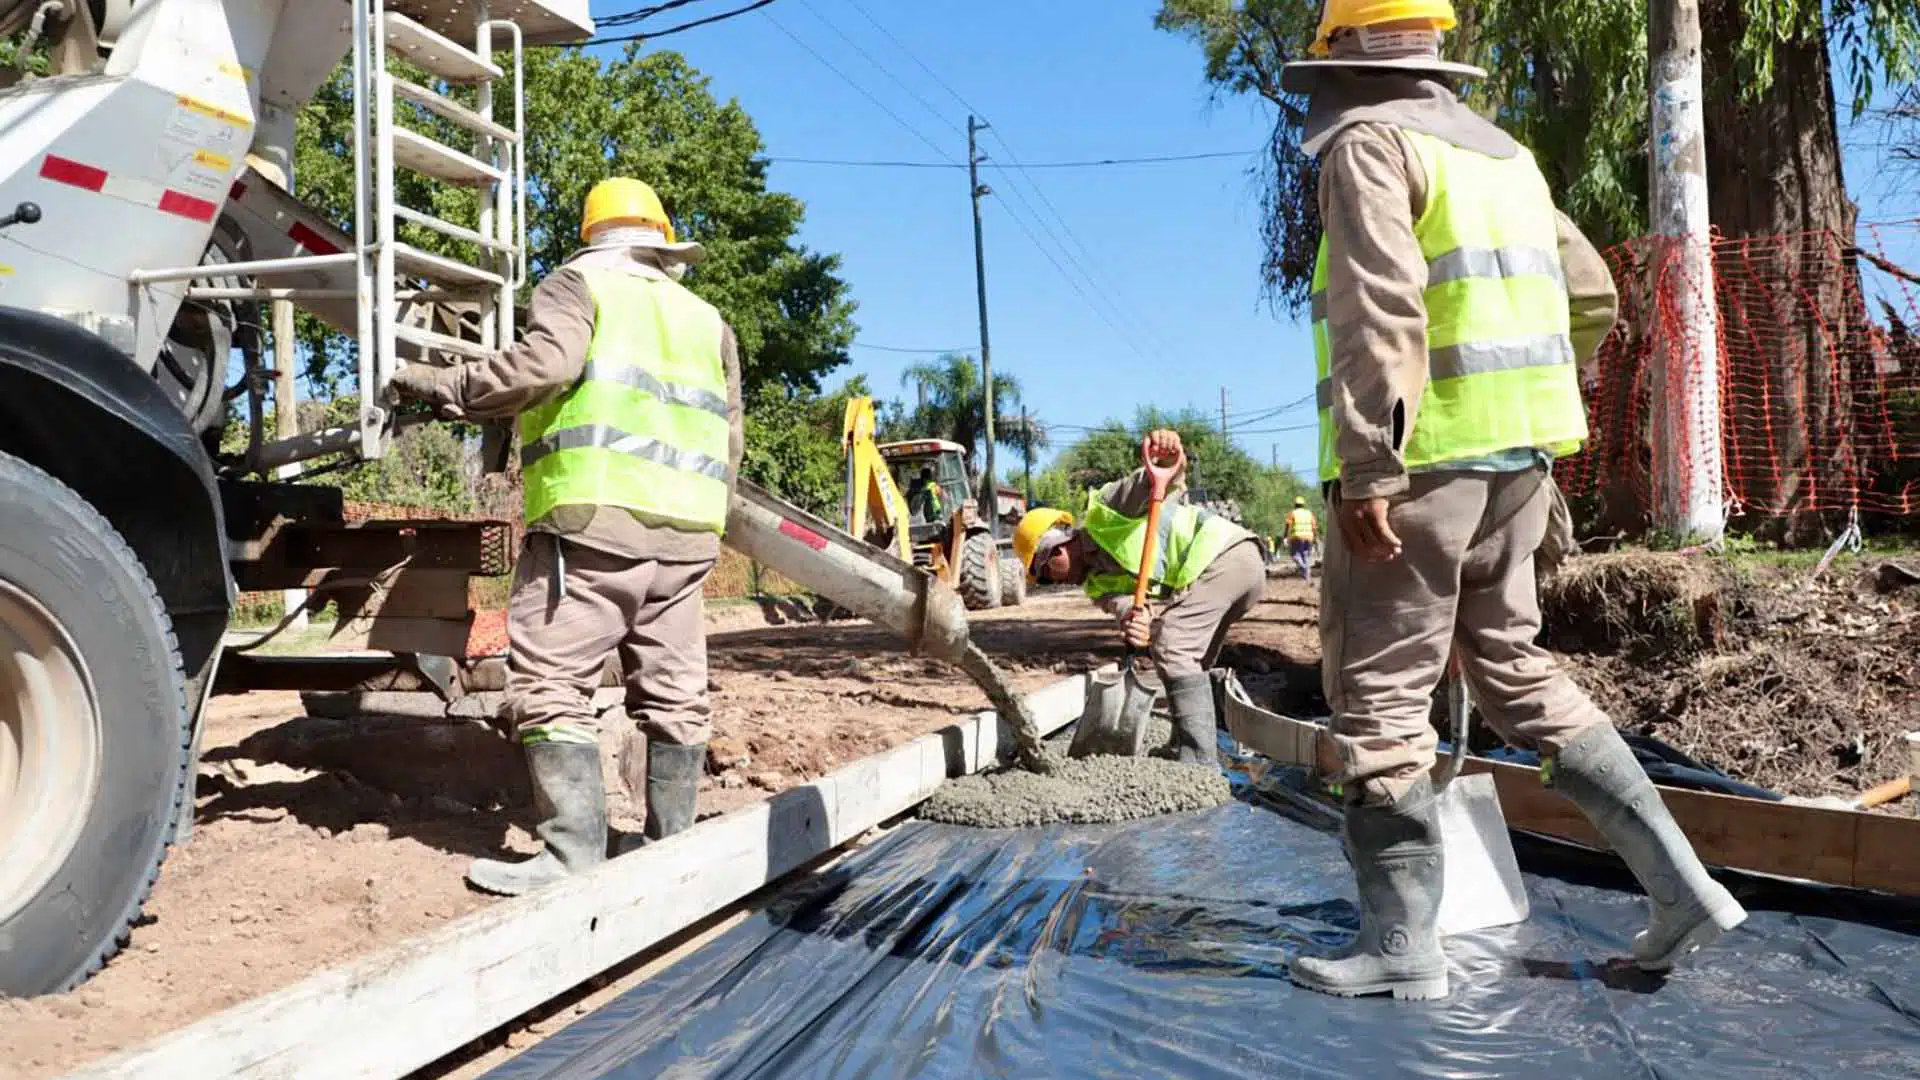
[
  {"x": 646, "y": 427},
  {"x": 1500, "y": 363},
  {"x": 1189, "y": 540}
]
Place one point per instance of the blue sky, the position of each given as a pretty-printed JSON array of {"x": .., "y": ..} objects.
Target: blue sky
[{"x": 1107, "y": 288}]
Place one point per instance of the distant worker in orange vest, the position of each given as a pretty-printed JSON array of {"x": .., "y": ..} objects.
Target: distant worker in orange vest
[{"x": 1302, "y": 529}]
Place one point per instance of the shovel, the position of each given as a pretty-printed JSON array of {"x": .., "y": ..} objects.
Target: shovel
[
  {"x": 1481, "y": 888},
  {"x": 1113, "y": 720}
]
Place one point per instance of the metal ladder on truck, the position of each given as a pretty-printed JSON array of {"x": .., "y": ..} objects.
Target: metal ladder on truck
[
  {"x": 399, "y": 302},
  {"x": 495, "y": 171}
]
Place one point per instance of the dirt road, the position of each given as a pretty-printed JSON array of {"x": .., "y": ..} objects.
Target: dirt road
[{"x": 293, "y": 868}]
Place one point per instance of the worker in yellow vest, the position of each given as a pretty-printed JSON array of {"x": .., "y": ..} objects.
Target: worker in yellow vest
[
  {"x": 1302, "y": 529},
  {"x": 1207, "y": 574},
  {"x": 627, "y": 389},
  {"x": 1451, "y": 303}
]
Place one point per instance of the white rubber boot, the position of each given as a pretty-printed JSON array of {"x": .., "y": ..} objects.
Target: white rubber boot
[
  {"x": 1397, "y": 864},
  {"x": 1689, "y": 909},
  {"x": 571, "y": 798}
]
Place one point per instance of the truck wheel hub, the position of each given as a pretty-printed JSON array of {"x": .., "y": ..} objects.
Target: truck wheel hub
[{"x": 50, "y": 747}]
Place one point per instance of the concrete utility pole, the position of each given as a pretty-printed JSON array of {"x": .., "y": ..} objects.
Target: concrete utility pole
[
  {"x": 989, "y": 495},
  {"x": 286, "y": 423},
  {"x": 1223, "y": 412},
  {"x": 1026, "y": 448},
  {"x": 1686, "y": 388}
]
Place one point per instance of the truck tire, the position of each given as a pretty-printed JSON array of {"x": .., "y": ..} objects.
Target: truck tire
[
  {"x": 1013, "y": 582},
  {"x": 979, "y": 572},
  {"x": 94, "y": 735}
]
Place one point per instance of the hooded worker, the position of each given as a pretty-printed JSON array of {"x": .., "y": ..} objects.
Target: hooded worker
[
  {"x": 1207, "y": 575},
  {"x": 1451, "y": 303},
  {"x": 627, "y": 389}
]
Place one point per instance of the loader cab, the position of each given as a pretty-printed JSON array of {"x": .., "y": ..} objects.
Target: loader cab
[{"x": 924, "y": 468}]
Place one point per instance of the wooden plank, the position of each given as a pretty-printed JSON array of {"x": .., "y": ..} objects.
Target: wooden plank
[
  {"x": 1835, "y": 847},
  {"x": 407, "y": 1005}
]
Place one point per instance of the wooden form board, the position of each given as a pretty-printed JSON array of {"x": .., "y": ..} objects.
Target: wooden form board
[
  {"x": 407, "y": 1005},
  {"x": 1836, "y": 847}
]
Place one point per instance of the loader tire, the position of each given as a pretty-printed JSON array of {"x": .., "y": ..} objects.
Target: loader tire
[
  {"x": 979, "y": 572},
  {"x": 94, "y": 734},
  {"x": 1013, "y": 582}
]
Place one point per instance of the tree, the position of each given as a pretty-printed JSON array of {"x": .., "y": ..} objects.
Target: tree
[
  {"x": 954, "y": 407},
  {"x": 1216, "y": 468},
  {"x": 651, "y": 116}
]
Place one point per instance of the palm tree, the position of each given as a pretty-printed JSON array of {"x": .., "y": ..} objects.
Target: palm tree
[{"x": 952, "y": 406}]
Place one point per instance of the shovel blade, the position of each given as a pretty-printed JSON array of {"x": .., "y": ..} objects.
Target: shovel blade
[
  {"x": 1482, "y": 887},
  {"x": 1114, "y": 718}
]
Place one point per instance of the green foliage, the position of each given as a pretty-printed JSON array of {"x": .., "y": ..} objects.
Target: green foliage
[
  {"x": 1274, "y": 490},
  {"x": 650, "y": 116},
  {"x": 1216, "y": 467},
  {"x": 793, "y": 444},
  {"x": 1567, "y": 77},
  {"x": 955, "y": 408}
]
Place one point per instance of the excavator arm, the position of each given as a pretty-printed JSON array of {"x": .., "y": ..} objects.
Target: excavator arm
[{"x": 873, "y": 502}]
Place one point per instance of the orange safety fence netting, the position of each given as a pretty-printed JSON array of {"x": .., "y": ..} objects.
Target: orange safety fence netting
[{"x": 1818, "y": 357}]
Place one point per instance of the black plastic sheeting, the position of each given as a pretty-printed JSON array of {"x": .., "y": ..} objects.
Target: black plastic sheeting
[{"x": 1158, "y": 949}]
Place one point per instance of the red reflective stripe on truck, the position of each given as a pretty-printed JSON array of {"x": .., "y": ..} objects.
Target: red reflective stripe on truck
[
  {"x": 803, "y": 534},
  {"x": 176, "y": 202},
  {"x": 67, "y": 171},
  {"x": 311, "y": 240}
]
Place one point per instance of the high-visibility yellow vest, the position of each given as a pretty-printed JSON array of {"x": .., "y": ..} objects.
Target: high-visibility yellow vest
[
  {"x": 1190, "y": 539},
  {"x": 1300, "y": 524},
  {"x": 1500, "y": 364},
  {"x": 646, "y": 426}
]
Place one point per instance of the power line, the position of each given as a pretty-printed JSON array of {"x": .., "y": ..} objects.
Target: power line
[
  {"x": 864, "y": 92},
  {"x": 1126, "y": 316},
  {"x": 1089, "y": 163},
  {"x": 899, "y": 349},
  {"x": 882, "y": 68},
  {"x": 632, "y": 17}
]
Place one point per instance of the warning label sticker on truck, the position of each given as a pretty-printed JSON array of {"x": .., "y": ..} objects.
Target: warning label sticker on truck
[{"x": 207, "y": 127}]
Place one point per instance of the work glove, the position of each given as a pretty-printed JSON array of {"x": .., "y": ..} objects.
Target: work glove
[
  {"x": 435, "y": 387},
  {"x": 1137, "y": 626}
]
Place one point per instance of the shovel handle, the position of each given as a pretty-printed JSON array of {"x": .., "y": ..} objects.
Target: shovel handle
[{"x": 1160, "y": 476}]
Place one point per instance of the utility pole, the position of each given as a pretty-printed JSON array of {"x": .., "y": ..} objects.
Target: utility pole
[
  {"x": 1223, "y": 412},
  {"x": 286, "y": 423},
  {"x": 1686, "y": 395},
  {"x": 1274, "y": 448},
  {"x": 1026, "y": 448},
  {"x": 990, "y": 495}
]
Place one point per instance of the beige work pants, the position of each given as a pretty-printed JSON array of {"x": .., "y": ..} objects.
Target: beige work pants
[
  {"x": 651, "y": 612},
  {"x": 1464, "y": 581},
  {"x": 1189, "y": 630}
]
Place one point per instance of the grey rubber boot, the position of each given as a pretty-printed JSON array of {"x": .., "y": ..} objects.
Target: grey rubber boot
[
  {"x": 1190, "y": 700},
  {"x": 673, "y": 786},
  {"x": 1397, "y": 865},
  {"x": 1689, "y": 909},
  {"x": 571, "y": 798}
]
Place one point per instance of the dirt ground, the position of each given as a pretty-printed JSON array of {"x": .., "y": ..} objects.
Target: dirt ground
[{"x": 317, "y": 840}]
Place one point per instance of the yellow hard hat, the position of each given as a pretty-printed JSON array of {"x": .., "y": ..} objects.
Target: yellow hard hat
[
  {"x": 1036, "y": 524},
  {"x": 622, "y": 200},
  {"x": 1340, "y": 14},
  {"x": 1299, "y": 500}
]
